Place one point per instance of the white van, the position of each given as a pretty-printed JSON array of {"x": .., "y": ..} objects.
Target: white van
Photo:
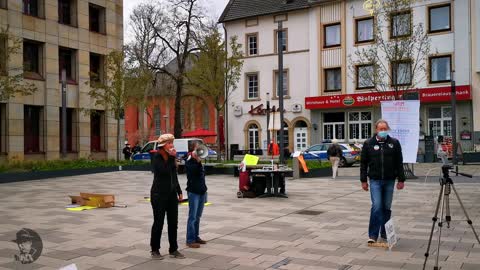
[{"x": 181, "y": 145}]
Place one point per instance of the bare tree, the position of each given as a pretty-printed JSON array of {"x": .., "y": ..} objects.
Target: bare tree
[
  {"x": 171, "y": 32},
  {"x": 142, "y": 55},
  {"x": 397, "y": 58},
  {"x": 12, "y": 82},
  {"x": 215, "y": 74}
]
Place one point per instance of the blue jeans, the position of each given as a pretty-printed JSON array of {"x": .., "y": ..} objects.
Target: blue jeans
[
  {"x": 195, "y": 208},
  {"x": 381, "y": 193}
]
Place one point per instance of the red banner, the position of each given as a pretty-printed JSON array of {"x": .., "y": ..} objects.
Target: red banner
[{"x": 426, "y": 95}]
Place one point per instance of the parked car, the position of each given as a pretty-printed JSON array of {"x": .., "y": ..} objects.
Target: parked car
[
  {"x": 181, "y": 145},
  {"x": 319, "y": 151}
]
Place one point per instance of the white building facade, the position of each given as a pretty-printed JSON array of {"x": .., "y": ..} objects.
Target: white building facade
[{"x": 325, "y": 99}]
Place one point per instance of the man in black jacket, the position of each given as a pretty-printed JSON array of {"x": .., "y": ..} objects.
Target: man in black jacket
[
  {"x": 197, "y": 189},
  {"x": 382, "y": 163},
  {"x": 164, "y": 196}
]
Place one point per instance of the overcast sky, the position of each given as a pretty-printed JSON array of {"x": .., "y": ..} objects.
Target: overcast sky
[{"x": 215, "y": 7}]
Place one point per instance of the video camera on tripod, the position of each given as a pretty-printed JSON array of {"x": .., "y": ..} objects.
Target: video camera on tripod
[{"x": 446, "y": 185}]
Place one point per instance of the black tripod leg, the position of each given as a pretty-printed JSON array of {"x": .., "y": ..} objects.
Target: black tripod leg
[
  {"x": 440, "y": 226},
  {"x": 448, "y": 218},
  {"x": 469, "y": 221},
  {"x": 434, "y": 220}
]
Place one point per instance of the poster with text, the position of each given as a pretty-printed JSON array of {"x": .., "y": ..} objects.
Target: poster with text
[{"x": 403, "y": 117}]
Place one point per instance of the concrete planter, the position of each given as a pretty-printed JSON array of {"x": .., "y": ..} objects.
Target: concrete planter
[{"x": 471, "y": 157}]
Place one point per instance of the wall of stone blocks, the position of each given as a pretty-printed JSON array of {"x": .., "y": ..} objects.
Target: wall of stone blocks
[{"x": 53, "y": 35}]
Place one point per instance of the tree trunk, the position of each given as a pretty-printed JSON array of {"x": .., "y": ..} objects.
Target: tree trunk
[
  {"x": 177, "y": 130},
  {"x": 219, "y": 146},
  {"x": 118, "y": 138}
]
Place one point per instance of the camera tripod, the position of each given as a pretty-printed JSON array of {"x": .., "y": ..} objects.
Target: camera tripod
[{"x": 446, "y": 185}]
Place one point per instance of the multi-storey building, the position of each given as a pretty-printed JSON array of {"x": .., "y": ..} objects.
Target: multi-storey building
[
  {"x": 324, "y": 96},
  {"x": 70, "y": 35}
]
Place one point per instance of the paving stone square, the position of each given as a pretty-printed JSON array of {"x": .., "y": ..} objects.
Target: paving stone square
[{"x": 266, "y": 233}]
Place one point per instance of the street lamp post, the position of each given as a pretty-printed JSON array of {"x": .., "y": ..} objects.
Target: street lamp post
[
  {"x": 454, "y": 118},
  {"x": 280, "y": 90},
  {"x": 64, "y": 113},
  {"x": 268, "y": 120}
]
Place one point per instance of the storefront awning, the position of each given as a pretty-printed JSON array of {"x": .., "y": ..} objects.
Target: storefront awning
[{"x": 426, "y": 95}]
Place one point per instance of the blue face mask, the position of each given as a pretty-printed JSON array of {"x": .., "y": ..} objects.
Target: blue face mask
[{"x": 382, "y": 134}]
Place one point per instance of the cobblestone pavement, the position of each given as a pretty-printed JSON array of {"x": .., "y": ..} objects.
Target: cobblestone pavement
[{"x": 268, "y": 233}]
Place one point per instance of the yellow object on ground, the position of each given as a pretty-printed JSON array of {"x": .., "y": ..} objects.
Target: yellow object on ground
[
  {"x": 378, "y": 244},
  {"x": 186, "y": 203},
  {"x": 81, "y": 208}
]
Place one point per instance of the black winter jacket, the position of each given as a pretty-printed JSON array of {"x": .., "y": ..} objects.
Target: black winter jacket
[
  {"x": 382, "y": 160},
  {"x": 195, "y": 176},
  {"x": 165, "y": 180}
]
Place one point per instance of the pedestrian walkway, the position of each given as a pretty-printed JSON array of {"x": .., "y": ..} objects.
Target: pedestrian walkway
[{"x": 322, "y": 225}]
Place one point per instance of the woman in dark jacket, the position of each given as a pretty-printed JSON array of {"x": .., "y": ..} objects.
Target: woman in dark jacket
[{"x": 164, "y": 196}]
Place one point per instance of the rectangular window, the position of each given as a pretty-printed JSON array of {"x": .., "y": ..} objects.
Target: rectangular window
[
  {"x": 333, "y": 79},
  {"x": 360, "y": 125},
  {"x": 365, "y": 76},
  {"x": 440, "y": 121},
  {"x": 96, "y": 67},
  {"x": 252, "y": 44},
  {"x": 3, "y": 54},
  {"x": 97, "y": 131},
  {"x": 334, "y": 126},
  {"x": 96, "y": 15},
  {"x": 156, "y": 118},
  {"x": 283, "y": 37},
  {"x": 71, "y": 132},
  {"x": 364, "y": 30},
  {"x": 439, "y": 19},
  {"x": 32, "y": 7},
  {"x": 284, "y": 83},
  {"x": 440, "y": 67},
  {"x": 253, "y": 140},
  {"x": 32, "y": 59},
  {"x": 252, "y": 86},
  {"x": 332, "y": 35},
  {"x": 400, "y": 24},
  {"x": 402, "y": 73},
  {"x": 67, "y": 61},
  {"x": 67, "y": 12},
  {"x": 3, "y": 127},
  {"x": 3, "y": 4},
  {"x": 32, "y": 128},
  {"x": 206, "y": 118}
]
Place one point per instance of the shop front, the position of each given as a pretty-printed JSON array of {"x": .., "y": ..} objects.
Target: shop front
[{"x": 351, "y": 117}]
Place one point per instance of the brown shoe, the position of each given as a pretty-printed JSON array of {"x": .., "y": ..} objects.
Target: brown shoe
[
  {"x": 193, "y": 245},
  {"x": 200, "y": 241}
]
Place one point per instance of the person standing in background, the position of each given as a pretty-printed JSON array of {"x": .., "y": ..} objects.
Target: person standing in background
[
  {"x": 334, "y": 154},
  {"x": 382, "y": 163},
  {"x": 164, "y": 196},
  {"x": 197, "y": 197}
]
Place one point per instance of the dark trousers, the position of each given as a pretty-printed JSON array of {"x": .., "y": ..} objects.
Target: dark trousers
[{"x": 162, "y": 205}]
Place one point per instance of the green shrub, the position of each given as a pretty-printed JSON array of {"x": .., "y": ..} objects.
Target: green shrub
[{"x": 313, "y": 164}]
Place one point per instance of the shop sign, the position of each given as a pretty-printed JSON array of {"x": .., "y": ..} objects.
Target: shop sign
[
  {"x": 426, "y": 95},
  {"x": 466, "y": 135}
]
